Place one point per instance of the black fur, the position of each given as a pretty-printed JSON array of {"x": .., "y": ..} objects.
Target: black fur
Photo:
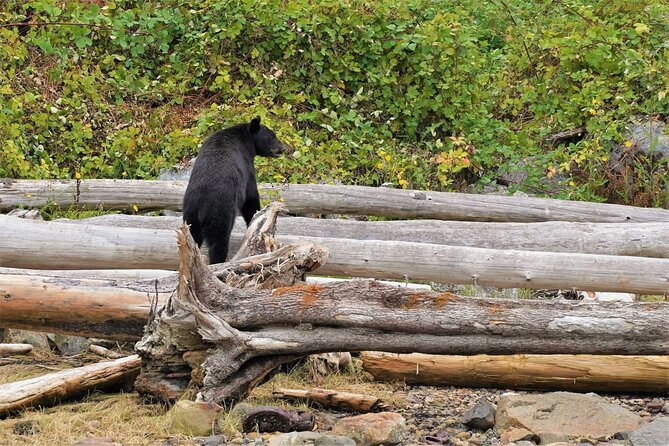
[{"x": 223, "y": 181}]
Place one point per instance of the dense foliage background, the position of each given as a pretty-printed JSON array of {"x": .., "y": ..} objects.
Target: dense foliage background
[{"x": 429, "y": 94}]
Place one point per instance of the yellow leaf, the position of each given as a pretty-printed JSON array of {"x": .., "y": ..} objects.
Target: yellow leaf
[
  {"x": 77, "y": 176},
  {"x": 135, "y": 208},
  {"x": 388, "y": 157},
  {"x": 628, "y": 144},
  {"x": 379, "y": 166},
  {"x": 641, "y": 28}
]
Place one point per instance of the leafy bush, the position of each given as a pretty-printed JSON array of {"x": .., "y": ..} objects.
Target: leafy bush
[{"x": 420, "y": 93}]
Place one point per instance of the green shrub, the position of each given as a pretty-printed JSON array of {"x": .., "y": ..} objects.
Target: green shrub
[{"x": 422, "y": 93}]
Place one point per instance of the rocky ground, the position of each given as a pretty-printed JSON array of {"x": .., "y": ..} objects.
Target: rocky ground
[{"x": 434, "y": 416}]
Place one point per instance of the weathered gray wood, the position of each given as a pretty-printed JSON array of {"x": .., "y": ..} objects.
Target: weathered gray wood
[
  {"x": 360, "y": 200},
  {"x": 325, "y": 199},
  {"x": 113, "y": 309},
  {"x": 92, "y": 274},
  {"x": 54, "y": 245},
  {"x": 251, "y": 327},
  {"x": 70, "y": 246},
  {"x": 492, "y": 267},
  {"x": 92, "y": 194},
  {"x": 639, "y": 239},
  {"x": 54, "y": 387}
]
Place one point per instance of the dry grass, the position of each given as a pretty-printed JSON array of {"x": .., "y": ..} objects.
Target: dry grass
[
  {"x": 124, "y": 418},
  {"x": 121, "y": 417}
]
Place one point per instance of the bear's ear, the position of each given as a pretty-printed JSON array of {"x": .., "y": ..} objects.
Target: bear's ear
[{"x": 255, "y": 124}]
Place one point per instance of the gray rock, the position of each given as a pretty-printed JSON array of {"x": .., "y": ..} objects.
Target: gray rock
[
  {"x": 69, "y": 345},
  {"x": 652, "y": 434},
  {"x": 28, "y": 214},
  {"x": 371, "y": 429},
  {"x": 34, "y": 338},
  {"x": 480, "y": 416},
  {"x": 559, "y": 416},
  {"x": 179, "y": 173},
  {"x": 28, "y": 427},
  {"x": 310, "y": 438},
  {"x": 212, "y": 440},
  {"x": 194, "y": 418},
  {"x": 650, "y": 138}
]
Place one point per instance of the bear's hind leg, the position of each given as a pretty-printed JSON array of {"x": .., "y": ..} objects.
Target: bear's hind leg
[
  {"x": 217, "y": 237},
  {"x": 250, "y": 207}
]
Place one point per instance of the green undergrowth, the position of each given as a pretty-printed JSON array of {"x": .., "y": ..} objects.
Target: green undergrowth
[{"x": 428, "y": 94}]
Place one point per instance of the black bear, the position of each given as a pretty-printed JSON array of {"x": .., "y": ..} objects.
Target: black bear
[{"x": 223, "y": 181}]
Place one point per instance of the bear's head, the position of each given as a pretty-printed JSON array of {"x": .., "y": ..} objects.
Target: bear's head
[{"x": 264, "y": 140}]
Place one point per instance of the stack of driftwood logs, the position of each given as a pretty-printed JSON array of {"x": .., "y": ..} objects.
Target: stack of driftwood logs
[{"x": 222, "y": 328}]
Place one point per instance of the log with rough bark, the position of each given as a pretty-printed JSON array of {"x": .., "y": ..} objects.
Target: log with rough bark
[
  {"x": 55, "y": 387},
  {"x": 356, "y": 402},
  {"x": 325, "y": 199},
  {"x": 641, "y": 239},
  {"x": 95, "y": 246},
  {"x": 15, "y": 349},
  {"x": 574, "y": 373},
  {"x": 223, "y": 340}
]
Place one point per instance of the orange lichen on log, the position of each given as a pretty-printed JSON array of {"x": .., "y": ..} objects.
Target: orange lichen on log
[
  {"x": 310, "y": 292},
  {"x": 443, "y": 299}
]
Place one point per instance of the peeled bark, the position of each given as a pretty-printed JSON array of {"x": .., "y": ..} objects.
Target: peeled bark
[
  {"x": 573, "y": 373},
  {"x": 55, "y": 387}
]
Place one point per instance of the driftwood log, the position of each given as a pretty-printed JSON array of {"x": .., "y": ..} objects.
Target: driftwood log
[
  {"x": 640, "y": 239},
  {"x": 15, "y": 349},
  {"x": 54, "y": 387},
  {"x": 22, "y": 246},
  {"x": 118, "y": 309},
  {"x": 356, "y": 402},
  {"x": 574, "y": 373},
  {"x": 324, "y": 199},
  {"x": 224, "y": 340}
]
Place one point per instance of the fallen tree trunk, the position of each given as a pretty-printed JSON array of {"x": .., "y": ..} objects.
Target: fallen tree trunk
[
  {"x": 92, "y": 274},
  {"x": 118, "y": 310},
  {"x": 324, "y": 199},
  {"x": 15, "y": 349},
  {"x": 641, "y": 239},
  {"x": 23, "y": 246},
  {"x": 23, "y": 243},
  {"x": 361, "y": 200},
  {"x": 573, "y": 373},
  {"x": 239, "y": 335},
  {"x": 331, "y": 399},
  {"x": 54, "y": 387}
]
